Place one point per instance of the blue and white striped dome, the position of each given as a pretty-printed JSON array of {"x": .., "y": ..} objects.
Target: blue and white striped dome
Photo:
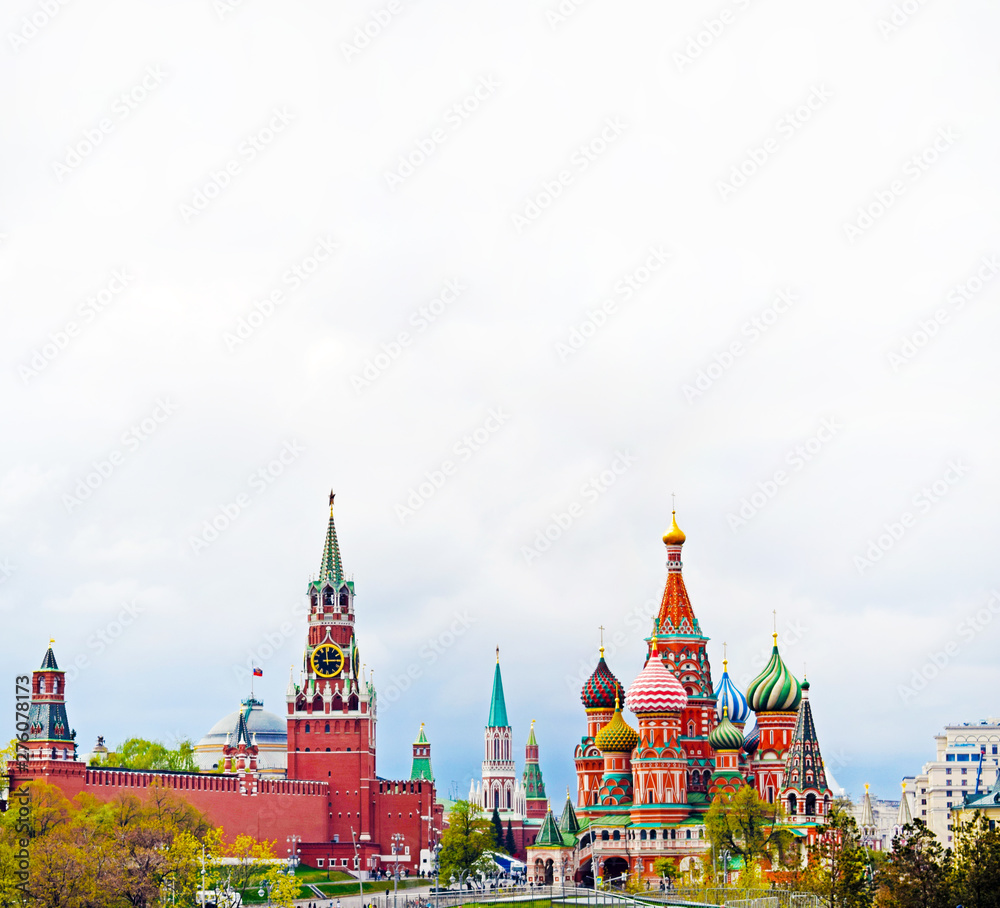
[{"x": 726, "y": 695}]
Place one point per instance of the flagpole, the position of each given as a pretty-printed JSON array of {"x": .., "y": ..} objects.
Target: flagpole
[{"x": 252, "y": 676}]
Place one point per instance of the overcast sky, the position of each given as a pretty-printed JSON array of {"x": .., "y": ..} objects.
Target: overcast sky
[{"x": 496, "y": 272}]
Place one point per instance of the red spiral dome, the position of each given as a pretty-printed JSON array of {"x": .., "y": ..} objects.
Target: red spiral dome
[{"x": 656, "y": 690}]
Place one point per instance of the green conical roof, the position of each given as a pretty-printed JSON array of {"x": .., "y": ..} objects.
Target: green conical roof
[
  {"x": 549, "y": 834},
  {"x": 531, "y": 736},
  {"x": 568, "y": 822},
  {"x": 421, "y": 758},
  {"x": 498, "y": 708},
  {"x": 331, "y": 568}
]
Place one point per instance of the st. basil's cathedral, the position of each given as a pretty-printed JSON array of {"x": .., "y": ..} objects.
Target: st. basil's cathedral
[{"x": 642, "y": 793}]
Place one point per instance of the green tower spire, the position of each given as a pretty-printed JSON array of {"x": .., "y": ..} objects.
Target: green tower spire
[
  {"x": 498, "y": 708},
  {"x": 422, "y": 758},
  {"x": 331, "y": 568}
]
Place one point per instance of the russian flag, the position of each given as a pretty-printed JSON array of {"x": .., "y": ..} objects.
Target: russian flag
[{"x": 258, "y": 673}]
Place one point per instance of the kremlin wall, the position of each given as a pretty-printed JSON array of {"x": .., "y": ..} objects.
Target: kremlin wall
[{"x": 641, "y": 793}]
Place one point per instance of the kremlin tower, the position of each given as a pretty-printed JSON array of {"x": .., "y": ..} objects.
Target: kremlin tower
[{"x": 522, "y": 805}]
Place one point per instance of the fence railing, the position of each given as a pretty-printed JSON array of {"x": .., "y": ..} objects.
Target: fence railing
[{"x": 571, "y": 897}]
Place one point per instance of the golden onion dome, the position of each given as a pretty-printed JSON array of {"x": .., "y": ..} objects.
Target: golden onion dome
[
  {"x": 617, "y": 736},
  {"x": 675, "y": 535}
]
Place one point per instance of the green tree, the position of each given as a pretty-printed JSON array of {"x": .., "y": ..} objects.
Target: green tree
[
  {"x": 840, "y": 866},
  {"x": 466, "y": 841},
  {"x": 138, "y": 753},
  {"x": 744, "y": 825},
  {"x": 976, "y": 871},
  {"x": 497, "y": 828},
  {"x": 510, "y": 846},
  {"x": 665, "y": 868},
  {"x": 916, "y": 873}
]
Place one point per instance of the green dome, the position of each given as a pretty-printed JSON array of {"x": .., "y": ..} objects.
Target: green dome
[
  {"x": 775, "y": 689},
  {"x": 725, "y": 735}
]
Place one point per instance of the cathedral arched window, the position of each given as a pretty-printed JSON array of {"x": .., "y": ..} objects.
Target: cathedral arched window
[
  {"x": 810, "y": 805},
  {"x": 604, "y": 835},
  {"x": 617, "y": 837},
  {"x": 55, "y": 685},
  {"x": 642, "y": 833},
  {"x": 343, "y": 602},
  {"x": 652, "y": 835},
  {"x": 41, "y": 685},
  {"x": 307, "y": 728},
  {"x": 690, "y": 729},
  {"x": 327, "y": 597},
  {"x": 496, "y": 748},
  {"x": 792, "y": 804},
  {"x": 508, "y": 799},
  {"x": 327, "y": 728}
]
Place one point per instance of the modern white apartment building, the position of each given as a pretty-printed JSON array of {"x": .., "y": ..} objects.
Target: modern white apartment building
[{"x": 954, "y": 773}]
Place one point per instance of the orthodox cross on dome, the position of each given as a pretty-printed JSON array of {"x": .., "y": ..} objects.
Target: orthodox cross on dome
[{"x": 601, "y": 629}]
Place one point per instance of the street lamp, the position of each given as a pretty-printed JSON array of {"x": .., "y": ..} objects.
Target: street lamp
[
  {"x": 437, "y": 873},
  {"x": 397, "y": 844},
  {"x": 293, "y": 851}
]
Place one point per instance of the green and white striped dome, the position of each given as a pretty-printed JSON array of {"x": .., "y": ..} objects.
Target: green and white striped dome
[{"x": 775, "y": 689}]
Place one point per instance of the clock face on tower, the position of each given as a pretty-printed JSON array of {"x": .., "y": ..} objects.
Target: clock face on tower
[{"x": 327, "y": 660}]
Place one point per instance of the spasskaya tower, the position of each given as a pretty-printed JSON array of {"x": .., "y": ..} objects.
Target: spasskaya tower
[{"x": 331, "y": 711}]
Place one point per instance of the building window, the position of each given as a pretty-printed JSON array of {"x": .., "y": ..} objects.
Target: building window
[
  {"x": 948, "y": 771},
  {"x": 328, "y": 728},
  {"x": 951, "y": 759},
  {"x": 307, "y": 728},
  {"x": 319, "y": 862},
  {"x": 965, "y": 771}
]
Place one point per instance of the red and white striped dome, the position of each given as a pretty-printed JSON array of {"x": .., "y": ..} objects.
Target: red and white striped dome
[{"x": 656, "y": 690}]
